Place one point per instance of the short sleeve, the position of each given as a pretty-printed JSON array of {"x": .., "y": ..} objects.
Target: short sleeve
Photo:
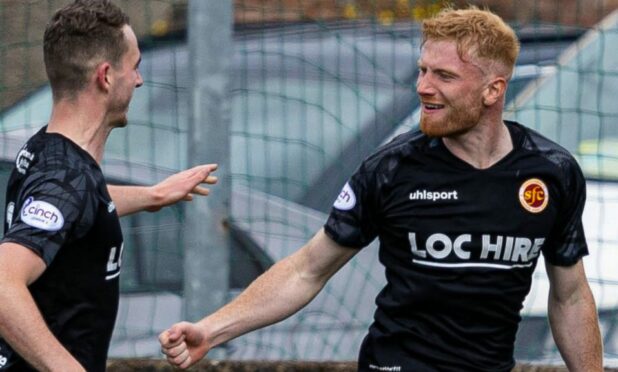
[
  {"x": 351, "y": 222},
  {"x": 567, "y": 243},
  {"x": 54, "y": 208}
]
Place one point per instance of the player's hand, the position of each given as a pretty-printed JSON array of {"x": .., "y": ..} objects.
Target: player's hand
[
  {"x": 182, "y": 186},
  {"x": 184, "y": 344}
]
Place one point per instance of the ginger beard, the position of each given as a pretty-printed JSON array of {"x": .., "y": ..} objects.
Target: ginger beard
[
  {"x": 456, "y": 118},
  {"x": 451, "y": 88}
]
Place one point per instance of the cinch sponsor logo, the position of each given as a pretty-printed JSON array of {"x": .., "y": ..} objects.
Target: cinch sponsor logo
[
  {"x": 346, "y": 199},
  {"x": 497, "y": 251},
  {"x": 533, "y": 195},
  {"x": 433, "y": 195},
  {"x": 42, "y": 215}
]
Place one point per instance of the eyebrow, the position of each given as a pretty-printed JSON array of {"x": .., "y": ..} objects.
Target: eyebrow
[
  {"x": 446, "y": 72},
  {"x": 438, "y": 70}
]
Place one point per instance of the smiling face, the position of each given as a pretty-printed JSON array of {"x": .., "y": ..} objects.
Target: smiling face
[
  {"x": 126, "y": 78},
  {"x": 450, "y": 90}
]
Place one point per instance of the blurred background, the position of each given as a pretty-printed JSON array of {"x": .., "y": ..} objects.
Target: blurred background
[{"x": 288, "y": 96}]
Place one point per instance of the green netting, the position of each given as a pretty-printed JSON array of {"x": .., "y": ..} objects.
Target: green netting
[{"x": 315, "y": 86}]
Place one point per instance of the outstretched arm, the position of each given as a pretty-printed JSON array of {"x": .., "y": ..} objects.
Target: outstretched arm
[
  {"x": 573, "y": 318},
  {"x": 281, "y": 291},
  {"x": 180, "y": 186},
  {"x": 21, "y": 323}
]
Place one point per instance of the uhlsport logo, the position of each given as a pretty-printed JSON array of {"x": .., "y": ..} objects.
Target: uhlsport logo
[
  {"x": 346, "y": 199},
  {"x": 533, "y": 195},
  {"x": 433, "y": 195},
  {"x": 42, "y": 215}
]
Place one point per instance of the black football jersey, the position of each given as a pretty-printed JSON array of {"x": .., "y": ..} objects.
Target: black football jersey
[
  {"x": 58, "y": 206},
  {"x": 459, "y": 246}
]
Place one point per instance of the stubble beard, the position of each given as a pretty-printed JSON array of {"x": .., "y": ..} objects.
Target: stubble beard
[
  {"x": 120, "y": 119},
  {"x": 458, "y": 121},
  {"x": 121, "y": 122}
]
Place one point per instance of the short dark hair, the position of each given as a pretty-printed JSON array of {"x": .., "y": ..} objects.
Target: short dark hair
[{"x": 79, "y": 36}]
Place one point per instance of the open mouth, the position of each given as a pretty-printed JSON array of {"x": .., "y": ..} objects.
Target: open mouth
[{"x": 432, "y": 106}]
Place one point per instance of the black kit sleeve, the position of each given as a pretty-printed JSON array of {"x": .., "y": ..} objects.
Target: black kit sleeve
[
  {"x": 568, "y": 242},
  {"x": 54, "y": 207},
  {"x": 352, "y": 221}
]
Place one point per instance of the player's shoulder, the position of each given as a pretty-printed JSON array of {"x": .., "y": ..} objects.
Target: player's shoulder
[
  {"x": 542, "y": 146},
  {"x": 48, "y": 160},
  {"x": 549, "y": 152},
  {"x": 389, "y": 155},
  {"x": 51, "y": 151}
]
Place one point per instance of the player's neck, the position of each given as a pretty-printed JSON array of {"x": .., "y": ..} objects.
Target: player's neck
[
  {"x": 82, "y": 123},
  {"x": 482, "y": 146}
]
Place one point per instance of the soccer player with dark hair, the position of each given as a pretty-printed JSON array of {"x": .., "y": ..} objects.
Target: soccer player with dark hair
[
  {"x": 61, "y": 253},
  {"x": 462, "y": 209}
]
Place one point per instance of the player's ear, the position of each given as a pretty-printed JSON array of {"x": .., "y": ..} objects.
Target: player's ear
[
  {"x": 103, "y": 76},
  {"x": 494, "y": 91}
]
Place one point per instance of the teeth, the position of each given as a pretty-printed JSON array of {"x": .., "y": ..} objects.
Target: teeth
[{"x": 430, "y": 106}]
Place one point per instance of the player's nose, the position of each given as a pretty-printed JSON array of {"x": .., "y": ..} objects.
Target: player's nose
[{"x": 424, "y": 86}]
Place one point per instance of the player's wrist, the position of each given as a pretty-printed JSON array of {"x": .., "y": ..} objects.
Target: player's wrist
[
  {"x": 208, "y": 333},
  {"x": 154, "y": 198}
]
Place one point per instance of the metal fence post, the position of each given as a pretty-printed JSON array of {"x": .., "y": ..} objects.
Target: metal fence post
[{"x": 206, "y": 260}]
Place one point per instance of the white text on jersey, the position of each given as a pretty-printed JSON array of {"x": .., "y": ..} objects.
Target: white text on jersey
[
  {"x": 433, "y": 195},
  {"x": 114, "y": 262},
  {"x": 497, "y": 251}
]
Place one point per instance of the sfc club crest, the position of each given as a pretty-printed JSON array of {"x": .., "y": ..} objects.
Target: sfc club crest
[{"x": 533, "y": 195}]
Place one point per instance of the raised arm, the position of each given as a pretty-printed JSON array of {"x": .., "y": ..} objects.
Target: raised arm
[
  {"x": 281, "y": 291},
  {"x": 21, "y": 323},
  {"x": 180, "y": 186},
  {"x": 573, "y": 318}
]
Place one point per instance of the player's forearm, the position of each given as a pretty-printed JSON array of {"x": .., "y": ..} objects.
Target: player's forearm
[
  {"x": 131, "y": 199},
  {"x": 23, "y": 327},
  {"x": 575, "y": 328},
  {"x": 274, "y": 296}
]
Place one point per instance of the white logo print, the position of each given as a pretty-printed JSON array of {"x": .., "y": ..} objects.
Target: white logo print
[
  {"x": 110, "y": 207},
  {"x": 23, "y": 160},
  {"x": 3, "y": 360},
  {"x": 114, "y": 262},
  {"x": 42, "y": 215},
  {"x": 385, "y": 368},
  {"x": 346, "y": 199},
  {"x": 9, "y": 213},
  {"x": 497, "y": 251},
  {"x": 433, "y": 195}
]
